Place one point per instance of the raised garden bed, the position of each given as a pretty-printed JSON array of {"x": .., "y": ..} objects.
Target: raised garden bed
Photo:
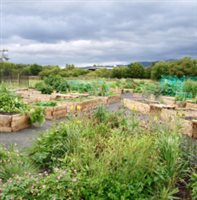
[
  {"x": 190, "y": 127},
  {"x": 137, "y": 95},
  {"x": 187, "y": 118},
  {"x": 70, "y": 95},
  {"x": 32, "y": 96},
  {"x": 63, "y": 107},
  {"x": 172, "y": 114},
  {"x": 125, "y": 90},
  {"x": 111, "y": 99},
  {"x": 157, "y": 108},
  {"x": 191, "y": 105},
  {"x": 137, "y": 106},
  {"x": 117, "y": 91},
  {"x": 38, "y": 98},
  {"x": 85, "y": 105},
  {"x": 168, "y": 100},
  {"x": 13, "y": 122},
  {"x": 56, "y": 111}
]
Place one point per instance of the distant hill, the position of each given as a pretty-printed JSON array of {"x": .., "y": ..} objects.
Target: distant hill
[{"x": 149, "y": 63}]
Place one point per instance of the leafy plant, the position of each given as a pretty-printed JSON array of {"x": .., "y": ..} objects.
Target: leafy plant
[
  {"x": 44, "y": 88},
  {"x": 10, "y": 103},
  {"x": 55, "y": 144},
  {"x": 37, "y": 115},
  {"x": 104, "y": 156},
  {"x": 193, "y": 185},
  {"x": 14, "y": 163},
  {"x": 190, "y": 87},
  {"x": 48, "y": 103},
  {"x": 101, "y": 114}
]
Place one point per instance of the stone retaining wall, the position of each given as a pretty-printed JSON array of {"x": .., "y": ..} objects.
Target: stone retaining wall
[
  {"x": 84, "y": 105},
  {"x": 191, "y": 105},
  {"x": 168, "y": 100},
  {"x": 56, "y": 112},
  {"x": 137, "y": 95},
  {"x": 186, "y": 118},
  {"x": 111, "y": 99},
  {"x": 13, "y": 123},
  {"x": 136, "y": 106},
  {"x": 157, "y": 109},
  {"x": 61, "y": 110}
]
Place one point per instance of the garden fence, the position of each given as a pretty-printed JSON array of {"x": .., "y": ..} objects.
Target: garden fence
[{"x": 15, "y": 80}]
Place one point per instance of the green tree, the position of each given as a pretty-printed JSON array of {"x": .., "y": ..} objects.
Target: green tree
[
  {"x": 147, "y": 72},
  {"x": 159, "y": 69},
  {"x": 136, "y": 70},
  {"x": 50, "y": 70},
  {"x": 35, "y": 69},
  {"x": 119, "y": 72}
]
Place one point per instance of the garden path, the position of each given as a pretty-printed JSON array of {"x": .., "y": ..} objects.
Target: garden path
[{"x": 25, "y": 138}]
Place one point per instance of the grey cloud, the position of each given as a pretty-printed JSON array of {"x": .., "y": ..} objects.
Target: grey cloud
[{"x": 108, "y": 31}]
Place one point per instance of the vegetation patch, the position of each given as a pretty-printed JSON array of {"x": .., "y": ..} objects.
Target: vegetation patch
[{"x": 109, "y": 155}]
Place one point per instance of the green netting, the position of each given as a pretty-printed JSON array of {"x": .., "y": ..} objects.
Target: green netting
[{"x": 173, "y": 86}]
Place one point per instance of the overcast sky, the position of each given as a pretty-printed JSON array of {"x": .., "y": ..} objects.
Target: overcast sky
[{"x": 98, "y": 32}]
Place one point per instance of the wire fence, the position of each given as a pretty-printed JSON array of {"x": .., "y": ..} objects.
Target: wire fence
[{"x": 15, "y": 80}]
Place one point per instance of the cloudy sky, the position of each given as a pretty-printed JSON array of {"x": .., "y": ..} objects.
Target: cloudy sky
[{"x": 85, "y": 32}]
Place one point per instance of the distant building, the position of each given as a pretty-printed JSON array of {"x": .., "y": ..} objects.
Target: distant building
[{"x": 95, "y": 67}]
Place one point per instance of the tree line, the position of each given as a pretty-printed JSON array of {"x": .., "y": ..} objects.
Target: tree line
[{"x": 182, "y": 67}]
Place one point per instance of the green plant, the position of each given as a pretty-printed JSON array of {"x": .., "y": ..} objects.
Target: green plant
[
  {"x": 101, "y": 114},
  {"x": 37, "y": 115},
  {"x": 104, "y": 156},
  {"x": 48, "y": 103},
  {"x": 10, "y": 103},
  {"x": 42, "y": 186},
  {"x": 152, "y": 88},
  {"x": 193, "y": 185},
  {"x": 54, "y": 81},
  {"x": 194, "y": 100},
  {"x": 14, "y": 163},
  {"x": 53, "y": 146},
  {"x": 190, "y": 87},
  {"x": 44, "y": 88}
]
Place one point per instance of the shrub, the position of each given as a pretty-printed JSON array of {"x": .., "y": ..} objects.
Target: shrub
[
  {"x": 190, "y": 87},
  {"x": 45, "y": 89},
  {"x": 53, "y": 145},
  {"x": 152, "y": 88},
  {"x": 53, "y": 81}
]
